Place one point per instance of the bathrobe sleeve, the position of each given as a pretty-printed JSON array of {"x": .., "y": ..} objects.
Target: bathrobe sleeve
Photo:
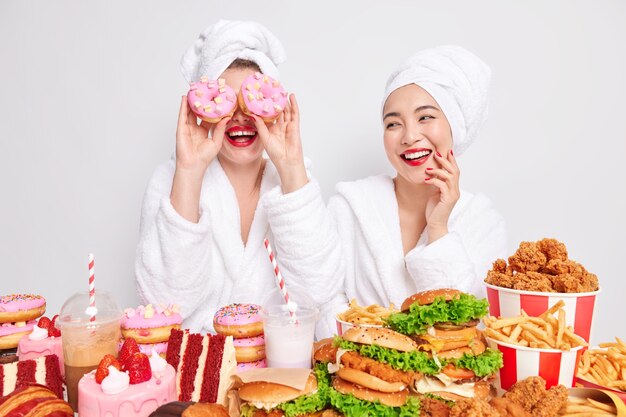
[
  {"x": 460, "y": 259},
  {"x": 173, "y": 255},
  {"x": 308, "y": 247}
]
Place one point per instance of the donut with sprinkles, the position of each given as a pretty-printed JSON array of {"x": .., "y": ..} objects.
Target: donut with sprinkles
[
  {"x": 21, "y": 307},
  {"x": 239, "y": 320}
]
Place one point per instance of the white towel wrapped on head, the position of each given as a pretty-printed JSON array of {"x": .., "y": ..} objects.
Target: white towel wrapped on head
[
  {"x": 458, "y": 81},
  {"x": 219, "y": 45}
]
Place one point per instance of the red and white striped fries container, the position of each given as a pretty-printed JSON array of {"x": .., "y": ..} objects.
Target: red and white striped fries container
[
  {"x": 520, "y": 362},
  {"x": 506, "y": 302},
  {"x": 342, "y": 326}
]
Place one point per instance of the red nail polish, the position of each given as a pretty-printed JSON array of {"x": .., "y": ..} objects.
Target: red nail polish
[
  {"x": 451, "y": 153},
  {"x": 428, "y": 169},
  {"x": 438, "y": 154},
  {"x": 426, "y": 179}
]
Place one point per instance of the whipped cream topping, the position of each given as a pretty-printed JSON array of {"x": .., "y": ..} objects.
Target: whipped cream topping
[
  {"x": 38, "y": 334},
  {"x": 115, "y": 382},
  {"x": 157, "y": 363}
]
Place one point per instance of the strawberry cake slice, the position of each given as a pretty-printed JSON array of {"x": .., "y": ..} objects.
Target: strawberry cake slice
[{"x": 135, "y": 385}]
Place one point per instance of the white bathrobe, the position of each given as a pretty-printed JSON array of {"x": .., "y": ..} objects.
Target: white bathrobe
[
  {"x": 205, "y": 266},
  {"x": 376, "y": 269}
]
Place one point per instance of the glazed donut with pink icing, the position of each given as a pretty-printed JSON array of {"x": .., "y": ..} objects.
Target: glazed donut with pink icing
[
  {"x": 21, "y": 307},
  {"x": 239, "y": 320},
  {"x": 212, "y": 100},
  {"x": 148, "y": 324},
  {"x": 246, "y": 366},
  {"x": 262, "y": 96},
  {"x": 250, "y": 349},
  {"x": 11, "y": 333}
]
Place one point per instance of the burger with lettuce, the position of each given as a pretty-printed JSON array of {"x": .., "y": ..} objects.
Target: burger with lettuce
[
  {"x": 268, "y": 399},
  {"x": 451, "y": 352}
]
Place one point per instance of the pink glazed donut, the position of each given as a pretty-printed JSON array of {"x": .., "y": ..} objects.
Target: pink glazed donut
[
  {"x": 263, "y": 96},
  {"x": 250, "y": 349},
  {"x": 21, "y": 307},
  {"x": 239, "y": 320},
  {"x": 212, "y": 100},
  {"x": 150, "y": 324},
  {"x": 246, "y": 366}
]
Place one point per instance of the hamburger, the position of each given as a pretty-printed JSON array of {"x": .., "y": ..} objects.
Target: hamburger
[
  {"x": 442, "y": 323},
  {"x": 364, "y": 382},
  {"x": 261, "y": 399}
]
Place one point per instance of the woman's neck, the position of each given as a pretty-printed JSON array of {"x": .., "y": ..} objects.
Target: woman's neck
[
  {"x": 413, "y": 197},
  {"x": 245, "y": 179}
]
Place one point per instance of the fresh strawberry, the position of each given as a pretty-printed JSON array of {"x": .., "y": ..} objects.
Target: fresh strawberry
[
  {"x": 103, "y": 367},
  {"x": 138, "y": 368},
  {"x": 53, "y": 330},
  {"x": 44, "y": 322},
  {"x": 129, "y": 348}
]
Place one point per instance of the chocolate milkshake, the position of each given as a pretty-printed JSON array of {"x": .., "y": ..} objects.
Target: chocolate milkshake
[{"x": 87, "y": 340}]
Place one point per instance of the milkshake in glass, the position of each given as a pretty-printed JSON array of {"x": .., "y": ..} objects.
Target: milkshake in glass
[
  {"x": 288, "y": 338},
  {"x": 89, "y": 333}
]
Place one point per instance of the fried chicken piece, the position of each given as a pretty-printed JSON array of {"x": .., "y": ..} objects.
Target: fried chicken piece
[
  {"x": 380, "y": 370},
  {"x": 553, "y": 249},
  {"x": 499, "y": 279},
  {"x": 431, "y": 407},
  {"x": 473, "y": 407},
  {"x": 589, "y": 282},
  {"x": 499, "y": 266},
  {"x": 527, "y": 257},
  {"x": 532, "y": 281},
  {"x": 566, "y": 283},
  {"x": 508, "y": 408},
  {"x": 532, "y": 395}
]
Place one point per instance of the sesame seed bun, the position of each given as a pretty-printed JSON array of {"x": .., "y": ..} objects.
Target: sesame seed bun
[
  {"x": 395, "y": 399},
  {"x": 269, "y": 392},
  {"x": 427, "y": 297},
  {"x": 380, "y": 336}
]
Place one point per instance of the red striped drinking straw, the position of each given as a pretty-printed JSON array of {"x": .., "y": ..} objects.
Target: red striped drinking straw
[
  {"x": 92, "y": 288},
  {"x": 279, "y": 279}
]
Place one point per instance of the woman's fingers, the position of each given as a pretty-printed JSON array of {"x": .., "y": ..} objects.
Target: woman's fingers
[
  {"x": 439, "y": 173},
  {"x": 220, "y": 128},
  {"x": 182, "y": 113},
  {"x": 445, "y": 163},
  {"x": 295, "y": 109}
]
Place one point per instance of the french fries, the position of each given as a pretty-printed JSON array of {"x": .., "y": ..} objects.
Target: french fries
[
  {"x": 606, "y": 366},
  {"x": 372, "y": 314},
  {"x": 587, "y": 407},
  {"x": 545, "y": 331}
]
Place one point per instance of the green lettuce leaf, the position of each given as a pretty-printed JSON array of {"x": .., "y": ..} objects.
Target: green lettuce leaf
[
  {"x": 351, "y": 406},
  {"x": 487, "y": 363},
  {"x": 420, "y": 318},
  {"x": 312, "y": 402}
]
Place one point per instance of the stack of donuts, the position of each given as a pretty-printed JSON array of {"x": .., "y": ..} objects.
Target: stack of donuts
[
  {"x": 18, "y": 316},
  {"x": 243, "y": 322},
  {"x": 150, "y": 326}
]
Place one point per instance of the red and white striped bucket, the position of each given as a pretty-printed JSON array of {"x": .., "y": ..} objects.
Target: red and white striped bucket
[
  {"x": 520, "y": 362},
  {"x": 506, "y": 302}
]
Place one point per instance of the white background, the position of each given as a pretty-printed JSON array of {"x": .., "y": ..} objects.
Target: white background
[{"x": 89, "y": 93}]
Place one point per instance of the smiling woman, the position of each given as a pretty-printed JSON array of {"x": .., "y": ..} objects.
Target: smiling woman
[
  {"x": 418, "y": 230},
  {"x": 207, "y": 211}
]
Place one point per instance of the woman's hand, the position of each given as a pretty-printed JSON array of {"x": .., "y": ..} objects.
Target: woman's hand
[
  {"x": 439, "y": 207},
  {"x": 194, "y": 149},
  {"x": 282, "y": 144},
  {"x": 194, "y": 152}
]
